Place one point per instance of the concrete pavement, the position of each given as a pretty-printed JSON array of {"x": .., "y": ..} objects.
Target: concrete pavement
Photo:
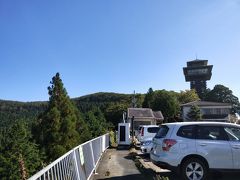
[{"x": 117, "y": 164}]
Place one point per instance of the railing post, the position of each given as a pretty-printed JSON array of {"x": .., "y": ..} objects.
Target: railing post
[
  {"x": 92, "y": 154},
  {"x": 103, "y": 139},
  {"x": 76, "y": 165}
]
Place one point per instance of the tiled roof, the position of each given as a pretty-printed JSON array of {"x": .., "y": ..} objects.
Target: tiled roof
[
  {"x": 140, "y": 112},
  {"x": 158, "y": 115},
  {"x": 144, "y": 113},
  {"x": 207, "y": 103}
]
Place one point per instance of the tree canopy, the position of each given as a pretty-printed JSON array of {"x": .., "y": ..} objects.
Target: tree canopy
[
  {"x": 166, "y": 102},
  {"x": 187, "y": 96},
  {"x": 19, "y": 157},
  {"x": 223, "y": 94},
  {"x": 97, "y": 122}
]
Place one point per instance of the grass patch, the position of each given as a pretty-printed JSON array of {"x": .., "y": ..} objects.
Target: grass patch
[{"x": 113, "y": 140}]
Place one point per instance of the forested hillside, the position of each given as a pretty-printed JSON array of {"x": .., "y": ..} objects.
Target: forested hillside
[
  {"x": 108, "y": 103},
  {"x": 111, "y": 104},
  {"x": 33, "y": 134},
  {"x": 11, "y": 111}
]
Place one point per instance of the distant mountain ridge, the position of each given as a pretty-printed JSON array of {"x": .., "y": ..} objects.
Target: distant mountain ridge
[{"x": 15, "y": 110}]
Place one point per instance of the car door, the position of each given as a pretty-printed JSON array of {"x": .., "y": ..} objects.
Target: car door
[
  {"x": 233, "y": 134},
  {"x": 212, "y": 144}
]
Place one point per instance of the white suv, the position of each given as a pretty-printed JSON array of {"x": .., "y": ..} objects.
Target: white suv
[
  {"x": 145, "y": 136},
  {"x": 147, "y": 132},
  {"x": 193, "y": 148}
]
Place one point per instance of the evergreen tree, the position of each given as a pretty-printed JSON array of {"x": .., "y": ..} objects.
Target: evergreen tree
[
  {"x": 59, "y": 123},
  {"x": 194, "y": 114},
  {"x": 19, "y": 157},
  {"x": 82, "y": 127},
  {"x": 148, "y": 98},
  {"x": 97, "y": 122}
]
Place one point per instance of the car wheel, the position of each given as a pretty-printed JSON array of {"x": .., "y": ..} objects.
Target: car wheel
[{"x": 194, "y": 169}]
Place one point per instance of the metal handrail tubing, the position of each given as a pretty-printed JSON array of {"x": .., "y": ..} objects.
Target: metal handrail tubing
[{"x": 64, "y": 161}]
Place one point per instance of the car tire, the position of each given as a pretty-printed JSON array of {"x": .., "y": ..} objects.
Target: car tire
[{"x": 194, "y": 169}]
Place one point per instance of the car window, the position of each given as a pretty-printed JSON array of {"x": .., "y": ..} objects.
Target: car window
[
  {"x": 210, "y": 133},
  {"x": 153, "y": 129},
  {"x": 187, "y": 132},
  {"x": 233, "y": 133},
  {"x": 139, "y": 129},
  {"x": 162, "y": 132}
]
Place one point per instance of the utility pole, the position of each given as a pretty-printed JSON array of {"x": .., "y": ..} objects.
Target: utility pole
[
  {"x": 134, "y": 100},
  {"x": 134, "y": 105},
  {"x": 132, "y": 119}
]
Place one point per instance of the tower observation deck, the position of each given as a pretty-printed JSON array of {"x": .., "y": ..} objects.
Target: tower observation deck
[{"x": 197, "y": 73}]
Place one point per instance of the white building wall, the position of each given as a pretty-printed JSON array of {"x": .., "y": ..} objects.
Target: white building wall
[
  {"x": 185, "y": 112},
  {"x": 187, "y": 109}
]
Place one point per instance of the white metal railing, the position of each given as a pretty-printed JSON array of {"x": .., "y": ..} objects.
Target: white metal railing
[{"x": 77, "y": 164}]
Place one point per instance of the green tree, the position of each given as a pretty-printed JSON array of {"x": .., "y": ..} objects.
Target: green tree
[
  {"x": 223, "y": 94},
  {"x": 166, "y": 102},
  {"x": 59, "y": 122},
  {"x": 148, "y": 98},
  {"x": 194, "y": 113},
  {"x": 82, "y": 127},
  {"x": 19, "y": 157},
  {"x": 187, "y": 96},
  {"x": 97, "y": 122},
  {"x": 114, "y": 112}
]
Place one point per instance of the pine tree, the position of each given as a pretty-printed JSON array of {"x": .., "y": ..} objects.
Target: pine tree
[
  {"x": 148, "y": 98},
  {"x": 19, "y": 157},
  {"x": 194, "y": 114},
  {"x": 59, "y": 122}
]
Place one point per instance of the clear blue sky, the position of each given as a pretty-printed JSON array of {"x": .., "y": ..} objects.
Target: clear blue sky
[{"x": 115, "y": 45}]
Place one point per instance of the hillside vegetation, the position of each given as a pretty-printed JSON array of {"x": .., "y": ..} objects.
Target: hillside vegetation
[
  {"x": 11, "y": 111},
  {"x": 33, "y": 134}
]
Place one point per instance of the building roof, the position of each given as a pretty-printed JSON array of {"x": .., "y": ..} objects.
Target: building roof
[
  {"x": 158, "y": 114},
  {"x": 206, "y": 103},
  {"x": 144, "y": 113}
]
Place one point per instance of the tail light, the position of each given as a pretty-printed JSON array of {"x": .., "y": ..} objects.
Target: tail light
[
  {"x": 168, "y": 143},
  {"x": 142, "y": 131}
]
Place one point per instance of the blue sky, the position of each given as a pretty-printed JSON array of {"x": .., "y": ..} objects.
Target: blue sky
[{"x": 115, "y": 45}]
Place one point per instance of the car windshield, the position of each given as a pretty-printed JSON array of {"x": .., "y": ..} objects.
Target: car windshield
[{"x": 162, "y": 132}]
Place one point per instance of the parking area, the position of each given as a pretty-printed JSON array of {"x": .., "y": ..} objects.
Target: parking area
[
  {"x": 131, "y": 164},
  {"x": 146, "y": 163}
]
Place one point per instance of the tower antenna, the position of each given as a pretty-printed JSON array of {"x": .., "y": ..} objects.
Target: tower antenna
[{"x": 196, "y": 56}]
